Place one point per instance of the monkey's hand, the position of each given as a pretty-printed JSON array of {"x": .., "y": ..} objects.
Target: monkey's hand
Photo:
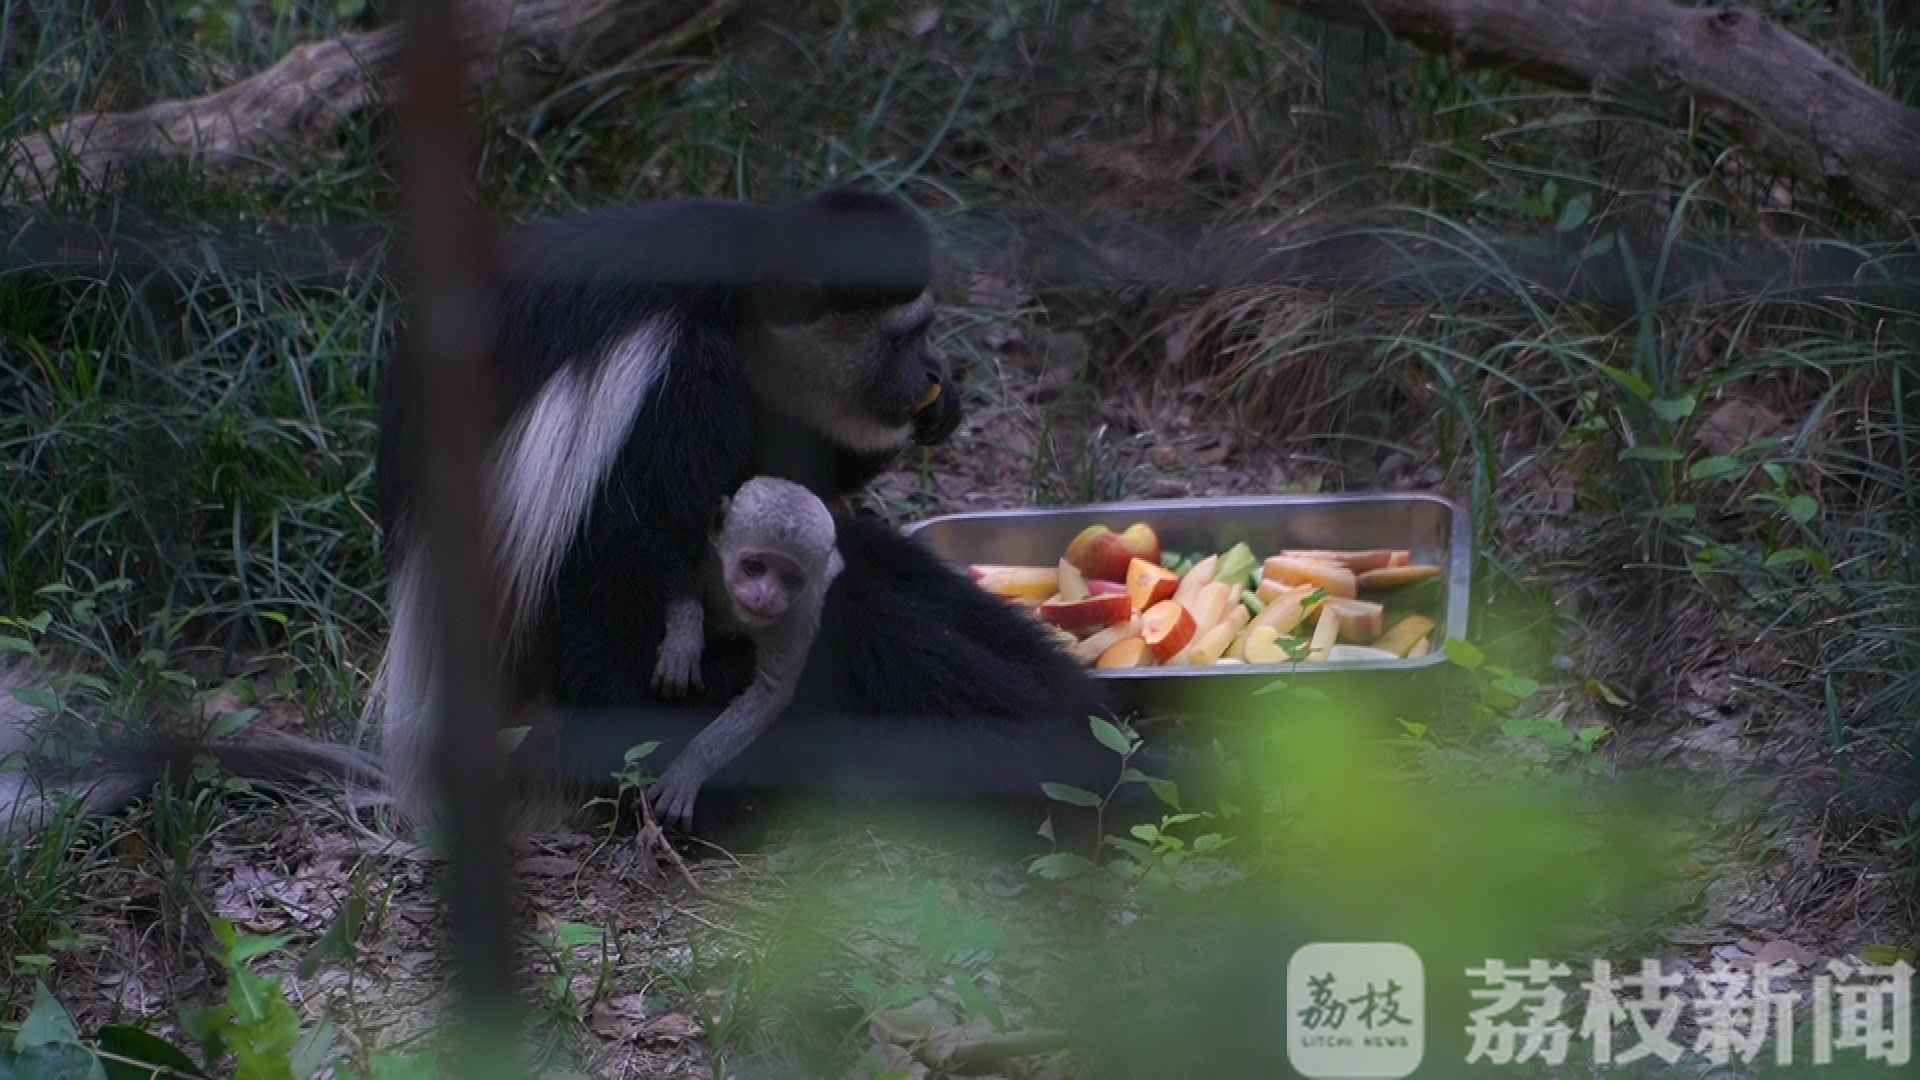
[
  {"x": 678, "y": 665},
  {"x": 674, "y": 795}
]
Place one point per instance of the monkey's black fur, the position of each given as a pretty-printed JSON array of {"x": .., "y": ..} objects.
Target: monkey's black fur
[{"x": 920, "y": 682}]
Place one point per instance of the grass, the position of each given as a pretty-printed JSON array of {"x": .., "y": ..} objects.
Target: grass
[{"x": 1695, "y": 503}]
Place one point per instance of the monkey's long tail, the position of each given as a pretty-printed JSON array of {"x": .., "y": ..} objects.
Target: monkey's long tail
[{"x": 30, "y": 796}]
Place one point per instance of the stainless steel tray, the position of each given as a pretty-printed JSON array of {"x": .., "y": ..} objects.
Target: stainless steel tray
[{"x": 1436, "y": 529}]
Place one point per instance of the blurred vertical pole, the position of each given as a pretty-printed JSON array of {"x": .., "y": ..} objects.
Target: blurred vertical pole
[{"x": 446, "y": 262}]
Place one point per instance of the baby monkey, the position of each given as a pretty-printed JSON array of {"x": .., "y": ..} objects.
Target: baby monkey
[{"x": 773, "y": 558}]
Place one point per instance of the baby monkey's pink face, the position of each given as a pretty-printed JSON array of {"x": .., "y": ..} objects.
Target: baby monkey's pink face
[{"x": 763, "y": 585}]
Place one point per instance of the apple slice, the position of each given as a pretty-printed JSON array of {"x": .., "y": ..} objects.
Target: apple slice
[
  {"x": 1263, "y": 646},
  {"x": 1271, "y": 590},
  {"x": 1400, "y": 638},
  {"x": 1196, "y": 579},
  {"x": 1208, "y": 648},
  {"x": 1088, "y": 614},
  {"x": 1238, "y": 616},
  {"x": 1099, "y": 552},
  {"x": 1167, "y": 628},
  {"x": 1360, "y": 621},
  {"x": 1287, "y": 570},
  {"x": 1210, "y": 602},
  {"x": 1073, "y": 584},
  {"x": 1103, "y": 587},
  {"x": 1089, "y": 649},
  {"x": 1420, "y": 648},
  {"x": 1326, "y": 632},
  {"x": 1148, "y": 583},
  {"x": 1400, "y": 558},
  {"x": 1357, "y": 561},
  {"x": 1392, "y": 577},
  {"x": 1029, "y": 582},
  {"x": 1285, "y": 610},
  {"x": 1126, "y": 653},
  {"x": 1341, "y": 654}
]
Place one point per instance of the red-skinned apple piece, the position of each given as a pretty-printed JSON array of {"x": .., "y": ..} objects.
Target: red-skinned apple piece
[
  {"x": 1167, "y": 627},
  {"x": 1099, "y": 552},
  {"x": 1073, "y": 584},
  {"x": 1149, "y": 583},
  {"x": 1091, "y": 613}
]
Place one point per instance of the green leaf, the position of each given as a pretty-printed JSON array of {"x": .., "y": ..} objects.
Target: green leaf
[
  {"x": 1675, "y": 409},
  {"x": 135, "y": 1045},
  {"x": 1802, "y": 508},
  {"x": 1067, "y": 793},
  {"x": 1166, "y": 791},
  {"x": 313, "y": 1051},
  {"x": 1413, "y": 728},
  {"x": 1886, "y": 955},
  {"x": 1650, "y": 453},
  {"x": 233, "y": 722},
  {"x": 1602, "y": 244},
  {"x": 9, "y": 643},
  {"x": 207, "y": 1026},
  {"x": 1110, "y": 736},
  {"x": 1061, "y": 865},
  {"x": 337, "y": 942},
  {"x": 247, "y": 946},
  {"x": 36, "y": 699},
  {"x": 1631, "y": 383},
  {"x": 1793, "y": 556},
  {"x": 570, "y": 935},
  {"x": 57, "y": 1061},
  {"x": 976, "y": 1001},
  {"x": 1715, "y": 467},
  {"x": 1464, "y": 653},
  {"x": 1520, "y": 687},
  {"x": 1575, "y": 213},
  {"x": 47, "y": 1024},
  {"x": 1676, "y": 512}
]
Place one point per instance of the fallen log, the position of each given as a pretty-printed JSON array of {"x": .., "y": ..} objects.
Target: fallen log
[
  {"x": 1788, "y": 102},
  {"x": 516, "y": 50}
]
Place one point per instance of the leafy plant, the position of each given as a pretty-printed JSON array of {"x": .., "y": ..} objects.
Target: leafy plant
[{"x": 1152, "y": 857}]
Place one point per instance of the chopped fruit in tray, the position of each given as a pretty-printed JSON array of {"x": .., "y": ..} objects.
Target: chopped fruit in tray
[{"x": 1122, "y": 600}]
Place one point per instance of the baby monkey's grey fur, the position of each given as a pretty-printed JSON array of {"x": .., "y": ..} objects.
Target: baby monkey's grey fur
[{"x": 773, "y": 558}]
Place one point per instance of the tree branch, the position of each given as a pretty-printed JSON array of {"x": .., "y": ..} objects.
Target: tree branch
[
  {"x": 516, "y": 48},
  {"x": 1782, "y": 97}
]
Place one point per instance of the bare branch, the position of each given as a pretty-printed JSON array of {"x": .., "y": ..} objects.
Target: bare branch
[
  {"x": 515, "y": 48},
  {"x": 1785, "y": 99}
]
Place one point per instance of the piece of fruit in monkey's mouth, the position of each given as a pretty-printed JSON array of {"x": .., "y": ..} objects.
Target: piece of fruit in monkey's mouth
[{"x": 933, "y": 395}]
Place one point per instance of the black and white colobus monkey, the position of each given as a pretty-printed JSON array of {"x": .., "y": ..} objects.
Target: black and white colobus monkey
[{"x": 655, "y": 357}]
